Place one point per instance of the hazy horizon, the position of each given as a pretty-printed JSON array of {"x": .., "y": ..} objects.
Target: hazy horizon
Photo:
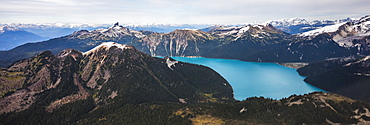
[{"x": 177, "y": 11}]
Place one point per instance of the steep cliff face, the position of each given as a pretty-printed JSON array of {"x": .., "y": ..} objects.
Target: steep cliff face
[
  {"x": 110, "y": 73},
  {"x": 186, "y": 42}
]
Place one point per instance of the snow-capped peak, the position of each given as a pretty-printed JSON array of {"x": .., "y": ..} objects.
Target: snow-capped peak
[
  {"x": 114, "y": 31},
  {"x": 107, "y": 46},
  {"x": 287, "y": 22},
  {"x": 295, "y": 21}
]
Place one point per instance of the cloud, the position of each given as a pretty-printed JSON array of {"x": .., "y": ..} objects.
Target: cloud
[{"x": 177, "y": 11}]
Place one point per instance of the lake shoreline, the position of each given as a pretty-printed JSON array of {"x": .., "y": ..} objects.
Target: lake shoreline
[{"x": 256, "y": 79}]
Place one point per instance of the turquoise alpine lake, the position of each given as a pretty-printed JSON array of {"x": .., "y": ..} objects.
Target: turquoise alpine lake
[{"x": 255, "y": 79}]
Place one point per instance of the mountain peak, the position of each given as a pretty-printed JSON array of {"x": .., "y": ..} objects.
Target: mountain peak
[
  {"x": 116, "y": 27},
  {"x": 116, "y": 24}
]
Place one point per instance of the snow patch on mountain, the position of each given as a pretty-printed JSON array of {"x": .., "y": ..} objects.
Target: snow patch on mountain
[
  {"x": 326, "y": 29},
  {"x": 107, "y": 46},
  {"x": 170, "y": 63},
  {"x": 190, "y": 29},
  {"x": 237, "y": 31}
]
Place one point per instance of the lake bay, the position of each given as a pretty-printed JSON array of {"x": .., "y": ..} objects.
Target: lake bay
[{"x": 250, "y": 79}]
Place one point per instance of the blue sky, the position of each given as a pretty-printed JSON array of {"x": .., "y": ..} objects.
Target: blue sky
[{"x": 176, "y": 11}]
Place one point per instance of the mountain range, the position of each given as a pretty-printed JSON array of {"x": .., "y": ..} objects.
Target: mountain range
[
  {"x": 54, "y": 30},
  {"x": 249, "y": 43},
  {"x": 299, "y": 25},
  {"x": 40, "y": 32},
  {"x": 117, "y": 84}
]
